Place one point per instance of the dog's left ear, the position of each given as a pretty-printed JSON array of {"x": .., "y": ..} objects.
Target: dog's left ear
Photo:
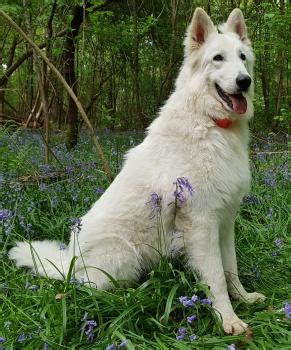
[{"x": 236, "y": 24}]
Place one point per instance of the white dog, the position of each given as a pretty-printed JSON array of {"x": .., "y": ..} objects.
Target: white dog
[{"x": 201, "y": 139}]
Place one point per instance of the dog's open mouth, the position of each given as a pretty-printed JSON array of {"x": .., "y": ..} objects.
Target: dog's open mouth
[{"x": 237, "y": 102}]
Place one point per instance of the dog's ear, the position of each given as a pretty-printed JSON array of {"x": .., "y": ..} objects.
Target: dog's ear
[
  {"x": 236, "y": 24},
  {"x": 199, "y": 30}
]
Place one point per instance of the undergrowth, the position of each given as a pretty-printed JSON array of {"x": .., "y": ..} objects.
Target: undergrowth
[{"x": 39, "y": 201}]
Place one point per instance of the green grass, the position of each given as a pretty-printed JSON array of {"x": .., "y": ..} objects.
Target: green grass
[{"x": 148, "y": 314}]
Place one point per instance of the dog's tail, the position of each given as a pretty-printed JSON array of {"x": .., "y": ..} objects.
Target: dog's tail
[{"x": 46, "y": 258}]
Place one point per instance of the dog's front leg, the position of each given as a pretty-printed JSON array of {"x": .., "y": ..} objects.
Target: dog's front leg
[
  {"x": 201, "y": 236},
  {"x": 227, "y": 246}
]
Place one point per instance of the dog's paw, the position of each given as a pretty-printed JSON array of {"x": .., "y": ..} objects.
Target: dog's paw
[
  {"x": 234, "y": 325},
  {"x": 254, "y": 297}
]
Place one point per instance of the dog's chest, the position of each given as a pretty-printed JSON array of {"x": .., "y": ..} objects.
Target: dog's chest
[{"x": 221, "y": 167}]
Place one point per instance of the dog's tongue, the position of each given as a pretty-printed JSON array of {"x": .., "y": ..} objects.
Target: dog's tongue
[{"x": 239, "y": 103}]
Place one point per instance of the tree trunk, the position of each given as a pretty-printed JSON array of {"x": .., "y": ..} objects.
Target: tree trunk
[{"x": 70, "y": 75}]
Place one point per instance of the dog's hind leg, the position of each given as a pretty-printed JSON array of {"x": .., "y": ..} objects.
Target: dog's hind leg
[
  {"x": 227, "y": 246},
  {"x": 107, "y": 259}
]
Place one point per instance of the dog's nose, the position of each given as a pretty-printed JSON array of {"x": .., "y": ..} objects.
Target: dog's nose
[{"x": 243, "y": 81}]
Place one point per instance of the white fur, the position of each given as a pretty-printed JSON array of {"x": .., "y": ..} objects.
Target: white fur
[{"x": 119, "y": 235}]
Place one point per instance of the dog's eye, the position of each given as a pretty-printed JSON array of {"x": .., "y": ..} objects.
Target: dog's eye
[
  {"x": 243, "y": 56},
  {"x": 218, "y": 58}
]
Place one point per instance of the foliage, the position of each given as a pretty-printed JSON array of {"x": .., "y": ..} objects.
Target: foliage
[
  {"x": 128, "y": 55},
  {"x": 40, "y": 313}
]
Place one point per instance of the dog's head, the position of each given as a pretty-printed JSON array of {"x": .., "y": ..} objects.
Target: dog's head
[{"x": 219, "y": 64}]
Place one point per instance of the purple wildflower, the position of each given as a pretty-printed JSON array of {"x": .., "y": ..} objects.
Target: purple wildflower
[
  {"x": 100, "y": 190},
  {"x": 32, "y": 287},
  {"x": 188, "y": 303},
  {"x": 62, "y": 246},
  {"x": 180, "y": 336},
  {"x": 183, "y": 190},
  {"x": 43, "y": 187},
  {"x": 45, "y": 346},
  {"x": 76, "y": 225},
  {"x": 191, "y": 318},
  {"x": 111, "y": 347},
  {"x": 21, "y": 338},
  {"x": 182, "y": 331},
  {"x": 270, "y": 178},
  {"x": 261, "y": 156},
  {"x": 206, "y": 301},
  {"x": 4, "y": 214},
  {"x": 256, "y": 271},
  {"x": 192, "y": 337},
  {"x": 278, "y": 242},
  {"x": 194, "y": 298},
  {"x": 122, "y": 344},
  {"x": 2, "y": 340},
  {"x": 231, "y": 347},
  {"x": 88, "y": 327},
  {"x": 274, "y": 253},
  {"x": 183, "y": 298},
  {"x": 287, "y": 310},
  {"x": 155, "y": 204},
  {"x": 251, "y": 198}
]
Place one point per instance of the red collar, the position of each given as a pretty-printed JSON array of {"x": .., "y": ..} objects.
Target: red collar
[{"x": 224, "y": 123}]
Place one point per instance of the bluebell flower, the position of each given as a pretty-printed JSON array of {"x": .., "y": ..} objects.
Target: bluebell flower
[
  {"x": 188, "y": 303},
  {"x": 111, "y": 347},
  {"x": 43, "y": 187},
  {"x": 62, "y": 246},
  {"x": 278, "y": 242},
  {"x": 191, "y": 318},
  {"x": 193, "y": 337},
  {"x": 155, "y": 204},
  {"x": 2, "y": 340},
  {"x": 182, "y": 330},
  {"x": 183, "y": 190},
  {"x": 89, "y": 327},
  {"x": 256, "y": 271},
  {"x": 45, "y": 346},
  {"x": 180, "y": 336},
  {"x": 76, "y": 225},
  {"x": 231, "y": 347},
  {"x": 21, "y": 338},
  {"x": 194, "y": 298},
  {"x": 251, "y": 198},
  {"x": 4, "y": 214},
  {"x": 206, "y": 301},
  {"x": 100, "y": 190},
  {"x": 262, "y": 156},
  {"x": 287, "y": 310},
  {"x": 122, "y": 344},
  {"x": 270, "y": 178},
  {"x": 183, "y": 298}
]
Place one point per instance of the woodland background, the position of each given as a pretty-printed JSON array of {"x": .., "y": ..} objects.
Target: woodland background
[{"x": 121, "y": 59}]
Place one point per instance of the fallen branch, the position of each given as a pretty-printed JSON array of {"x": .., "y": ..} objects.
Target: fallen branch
[{"x": 69, "y": 90}]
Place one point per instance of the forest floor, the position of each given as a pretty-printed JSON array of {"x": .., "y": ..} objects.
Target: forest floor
[{"x": 38, "y": 201}]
